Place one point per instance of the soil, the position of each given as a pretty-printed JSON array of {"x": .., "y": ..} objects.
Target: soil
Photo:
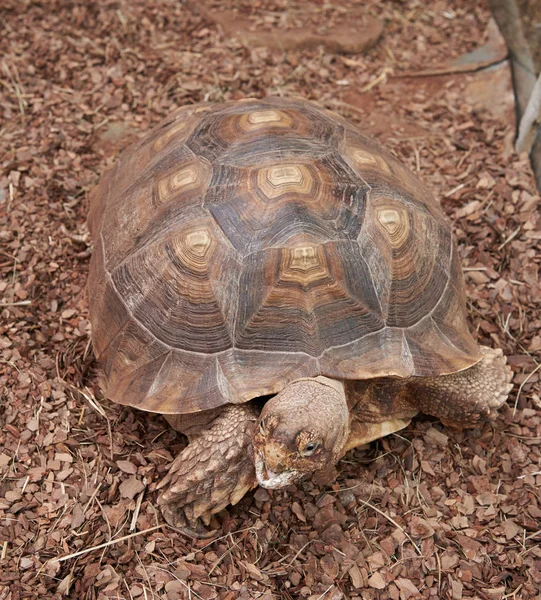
[{"x": 430, "y": 512}]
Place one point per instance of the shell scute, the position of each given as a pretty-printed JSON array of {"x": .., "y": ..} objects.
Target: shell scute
[
  {"x": 181, "y": 286},
  {"x": 305, "y": 298},
  {"x": 244, "y": 130},
  {"x": 265, "y": 204}
]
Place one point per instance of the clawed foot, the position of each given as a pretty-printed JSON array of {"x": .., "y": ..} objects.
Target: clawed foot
[
  {"x": 176, "y": 517},
  {"x": 215, "y": 469}
]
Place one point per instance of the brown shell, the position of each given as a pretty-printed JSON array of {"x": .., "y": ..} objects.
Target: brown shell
[{"x": 241, "y": 246}]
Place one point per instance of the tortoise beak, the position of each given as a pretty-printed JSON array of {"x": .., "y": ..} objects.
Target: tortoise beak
[{"x": 269, "y": 479}]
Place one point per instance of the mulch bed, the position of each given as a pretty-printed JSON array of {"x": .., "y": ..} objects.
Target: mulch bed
[{"x": 427, "y": 513}]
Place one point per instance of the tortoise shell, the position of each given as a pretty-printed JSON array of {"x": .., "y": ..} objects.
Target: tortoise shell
[{"x": 241, "y": 246}]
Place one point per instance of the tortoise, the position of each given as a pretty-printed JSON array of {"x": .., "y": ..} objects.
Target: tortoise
[{"x": 283, "y": 290}]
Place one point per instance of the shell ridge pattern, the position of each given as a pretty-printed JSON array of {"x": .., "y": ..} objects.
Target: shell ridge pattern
[
  {"x": 403, "y": 330},
  {"x": 120, "y": 299},
  {"x": 223, "y": 382},
  {"x": 350, "y": 204},
  {"x": 155, "y": 385},
  {"x": 155, "y": 236},
  {"x": 369, "y": 268},
  {"x": 225, "y": 237},
  {"x": 365, "y": 239},
  {"x": 448, "y": 282},
  {"x": 150, "y": 332},
  {"x": 310, "y": 320},
  {"x": 233, "y": 307},
  {"x": 363, "y": 221},
  {"x": 273, "y": 147},
  {"x": 137, "y": 302},
  {"x": 443, "y": 334},
  {"x": 406, "y": 355},
  {"x": 218, "y": 307},
  {"x": 329, "y": 349},
  {"x": 120, "y": 331},
  {"x": 268, "y": 291},
  {"x": 368, "y": 284},
  {"x": 282, "y": 247},
  {"x": 144, "y": 365},
  {"x": 412, "y": 272}
]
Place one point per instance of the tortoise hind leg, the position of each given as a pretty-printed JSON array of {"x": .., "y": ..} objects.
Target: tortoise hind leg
[
  {"x": 214, "y": 470},
  {"x": 385, "y": 405},
  {"x": 463, "y": 398}
]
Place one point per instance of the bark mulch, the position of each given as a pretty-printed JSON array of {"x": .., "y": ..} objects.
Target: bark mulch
[{"x": 426, "y": 513}]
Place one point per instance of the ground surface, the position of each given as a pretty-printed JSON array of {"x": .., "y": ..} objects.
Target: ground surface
[{"x": 429, "y": 513}]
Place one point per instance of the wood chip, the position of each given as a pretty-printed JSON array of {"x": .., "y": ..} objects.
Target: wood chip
[
  {"x": 377, "y": 581},
  {"x": 131, "y": 487}
]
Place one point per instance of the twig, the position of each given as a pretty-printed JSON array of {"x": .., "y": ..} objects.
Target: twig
[
  {"x": 514, "y": 593},
  {"x": 511, "y": 237},
  {"x": 295, "y": 557},
  {"x": 451, "y": 70},
  {"x": 109, "y": 543},
  {"x": 528, "y": 474},
  {"x": 92, "y": 400},
  {"x": 221, "y": 537},
  {"x": 135, "y": 516},
  {"x": 382, "y": 77},
  {"x": 522, "y": 385},
  {"x": 220, "y": 558},
  {"x": 19, "y": 303},
  {"x": 147, "y": 576},
  {"x": 96, "y": 489},
  {"x": 325, "y": 592},
  {"x": 190, "y": 591},
  {"x": 455, "y": 189},
  {"x": 532, "y": 535}
]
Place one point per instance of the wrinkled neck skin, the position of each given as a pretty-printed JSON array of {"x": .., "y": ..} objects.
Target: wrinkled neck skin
[{"x": 308, "y": 412}]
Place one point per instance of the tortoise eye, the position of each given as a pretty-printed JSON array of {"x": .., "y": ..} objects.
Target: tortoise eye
[
  {"x": 262, "y": 429},
  {"x": 310, "y": 448}
]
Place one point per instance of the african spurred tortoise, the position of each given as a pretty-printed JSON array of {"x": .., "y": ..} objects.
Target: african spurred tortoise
[{"x": 282, "y": 289}]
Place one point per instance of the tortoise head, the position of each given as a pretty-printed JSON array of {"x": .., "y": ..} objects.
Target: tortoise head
[{"x": 303, "y": 429}]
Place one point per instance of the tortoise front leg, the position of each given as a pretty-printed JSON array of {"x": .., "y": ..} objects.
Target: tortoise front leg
[
  {"x": 462, "y": 399},
  {"x": 215, "y": 469}
]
